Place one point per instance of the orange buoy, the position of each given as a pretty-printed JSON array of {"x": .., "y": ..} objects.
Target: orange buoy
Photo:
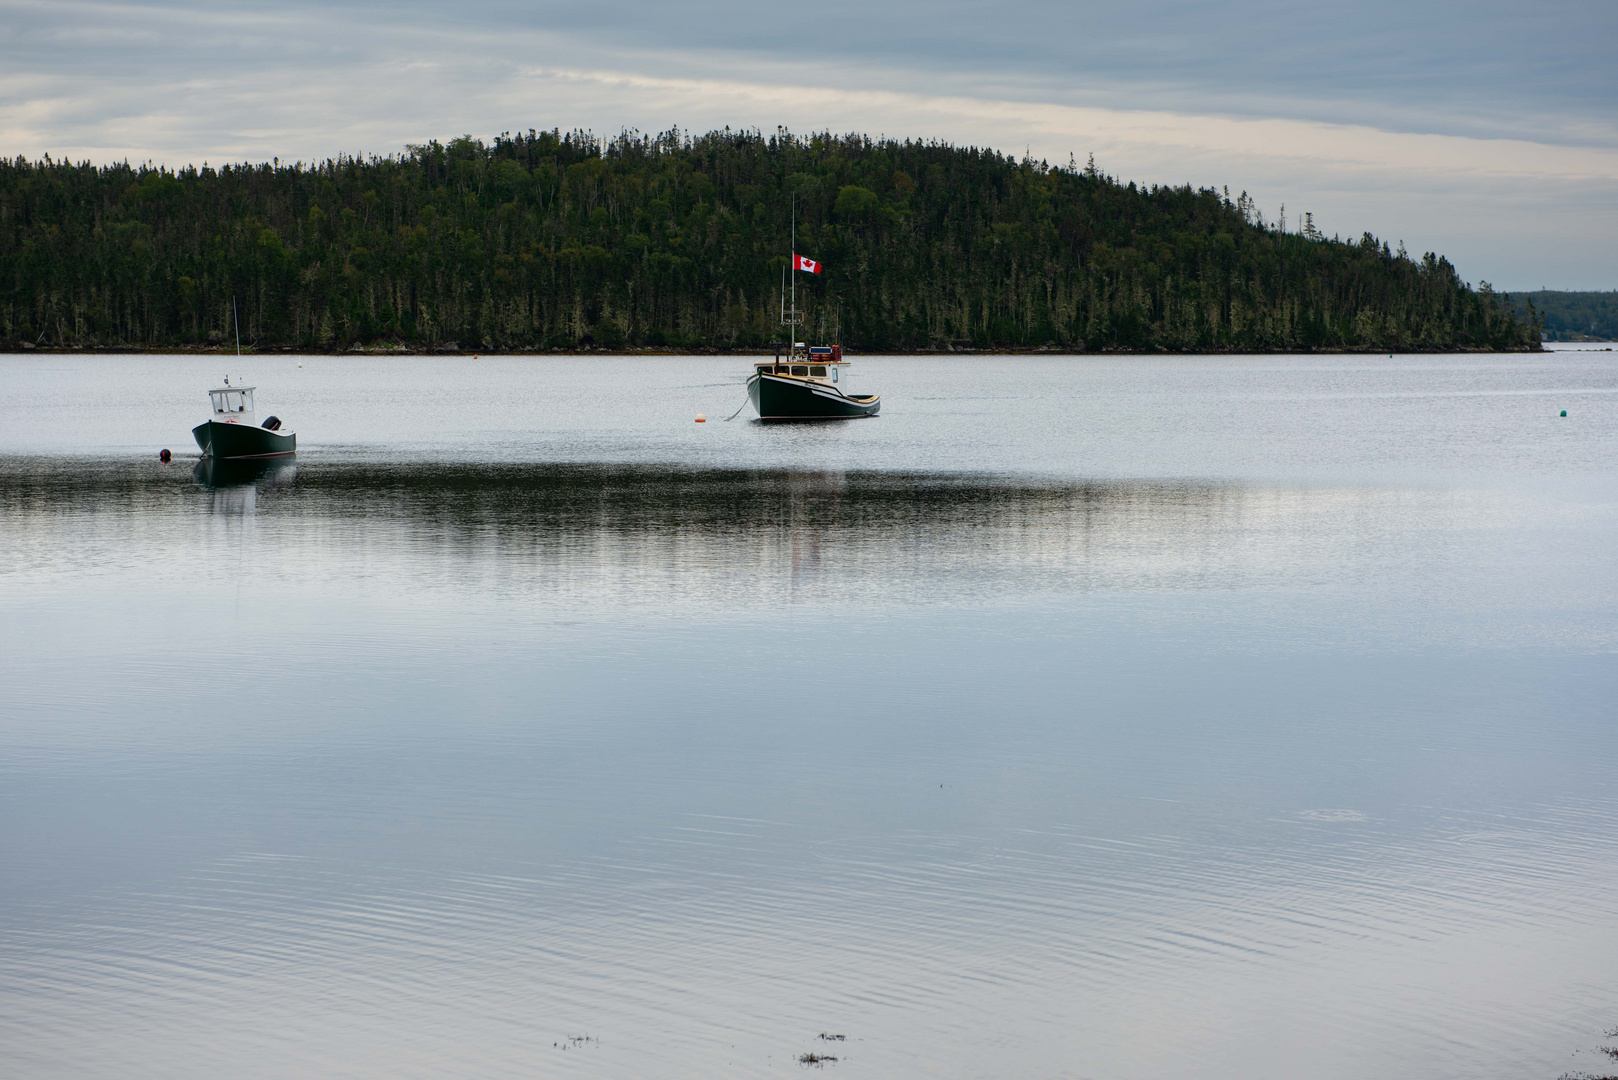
[{"x": 701, "y": 419}]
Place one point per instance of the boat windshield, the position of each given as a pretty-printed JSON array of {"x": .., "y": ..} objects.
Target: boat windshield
[{"x": 231, "y": 401}]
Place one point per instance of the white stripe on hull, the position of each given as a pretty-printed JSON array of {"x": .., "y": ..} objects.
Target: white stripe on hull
[{"x": 859, "y": 407}]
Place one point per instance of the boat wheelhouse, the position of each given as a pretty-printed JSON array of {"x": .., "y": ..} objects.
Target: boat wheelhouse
[
  {"x": 232, "y": 402},
  {"x": 233, "y": 430}
]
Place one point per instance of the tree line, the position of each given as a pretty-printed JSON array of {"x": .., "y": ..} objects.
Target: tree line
[
  {"x": 553, "y": 240},
  {"x": 1572, "y": 316}
]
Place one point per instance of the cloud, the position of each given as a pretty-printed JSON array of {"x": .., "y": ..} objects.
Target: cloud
[{"x": 1516, "y": 200}]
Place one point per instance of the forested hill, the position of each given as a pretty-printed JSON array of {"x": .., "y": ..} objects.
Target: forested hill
[
  {"x": 552, "y": 241},
  {"x": 1572, "y": 316}
]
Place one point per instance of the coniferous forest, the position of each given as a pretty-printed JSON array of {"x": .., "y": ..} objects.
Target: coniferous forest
[
  {"x": 1572, "y": 316},
  {"x": 559, "y": 241}
]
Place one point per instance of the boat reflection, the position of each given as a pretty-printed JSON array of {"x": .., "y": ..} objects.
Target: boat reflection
[
  {"x": 215, "y": 473},
  {"x": 236, "y": 484}
]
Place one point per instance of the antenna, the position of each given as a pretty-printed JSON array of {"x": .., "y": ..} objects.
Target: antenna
[{"x": 237, "y": 320}]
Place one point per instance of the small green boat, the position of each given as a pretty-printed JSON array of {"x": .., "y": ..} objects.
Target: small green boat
[
  {"x": 807, "y": 385},
  {"x": 233, "y": 432}
]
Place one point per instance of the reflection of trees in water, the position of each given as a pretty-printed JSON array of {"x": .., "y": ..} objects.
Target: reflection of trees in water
[
  {"x": 805, "y": 489},
  {"x": 764, "y": 534}
]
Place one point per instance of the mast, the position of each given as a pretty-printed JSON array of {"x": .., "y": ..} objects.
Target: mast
[
  {"x": 237, "y": 320},
  {"x": 794, "y": 343},
  {"x": 790, "y": 316}
]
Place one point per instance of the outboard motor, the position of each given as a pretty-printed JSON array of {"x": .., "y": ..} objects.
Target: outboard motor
[{"x": 272, "y": 423}]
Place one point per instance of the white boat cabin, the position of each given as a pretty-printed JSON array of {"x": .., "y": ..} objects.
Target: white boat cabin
[
  {"x": 819, "y": 363},
  {"x": 233, "y": 404}
]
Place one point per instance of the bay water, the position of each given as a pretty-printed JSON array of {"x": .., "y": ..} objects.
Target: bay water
[{"x": 1076, "y": 717}]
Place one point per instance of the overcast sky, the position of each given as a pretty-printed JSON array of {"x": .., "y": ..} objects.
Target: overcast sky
[{"x": 1486, "y": 131}]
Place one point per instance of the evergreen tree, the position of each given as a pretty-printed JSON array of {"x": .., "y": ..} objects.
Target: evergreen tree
[{"x": 551, "y": 240}]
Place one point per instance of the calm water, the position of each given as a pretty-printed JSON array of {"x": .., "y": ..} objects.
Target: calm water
[{"x": 1082, "y": 717}]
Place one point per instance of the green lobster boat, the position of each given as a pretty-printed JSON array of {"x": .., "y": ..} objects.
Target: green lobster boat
[
  {"x": 807, "y": 385},
  {"x": 233, "y": 433}
]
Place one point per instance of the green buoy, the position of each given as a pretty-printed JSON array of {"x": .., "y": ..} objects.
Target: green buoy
[{"x": 1564, "y": 412}]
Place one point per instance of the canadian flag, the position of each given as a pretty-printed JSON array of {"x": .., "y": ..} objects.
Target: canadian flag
[{"x": 801, "y": 262}]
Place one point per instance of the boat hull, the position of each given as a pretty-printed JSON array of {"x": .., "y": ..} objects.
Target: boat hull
[
  {"x": 236, "y": 441},
  {"x": 779, "y": 397}
]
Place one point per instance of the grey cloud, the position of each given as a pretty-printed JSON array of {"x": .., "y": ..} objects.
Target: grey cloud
[
  {"x": 1475, "y": 67},
  {"x": 251, "y": 80}
]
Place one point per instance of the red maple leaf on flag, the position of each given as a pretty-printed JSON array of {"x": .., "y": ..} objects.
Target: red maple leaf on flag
[{"x": 803, "y": 262}]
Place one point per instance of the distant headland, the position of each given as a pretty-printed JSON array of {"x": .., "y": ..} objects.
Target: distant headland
[
  {"x": 551, "y": 241},
  {"x": 1571, "y": 316}
]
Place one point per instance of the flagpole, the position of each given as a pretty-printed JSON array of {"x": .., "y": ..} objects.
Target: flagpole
[{"x": 793, "y": 344}]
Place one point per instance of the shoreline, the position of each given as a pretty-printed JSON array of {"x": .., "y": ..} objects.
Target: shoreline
[{"x": 592, "y": 350}]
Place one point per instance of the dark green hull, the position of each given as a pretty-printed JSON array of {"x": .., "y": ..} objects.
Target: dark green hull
[
  {"x": 781, "y": 397},
  {"x": 227, "y": 441}
]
